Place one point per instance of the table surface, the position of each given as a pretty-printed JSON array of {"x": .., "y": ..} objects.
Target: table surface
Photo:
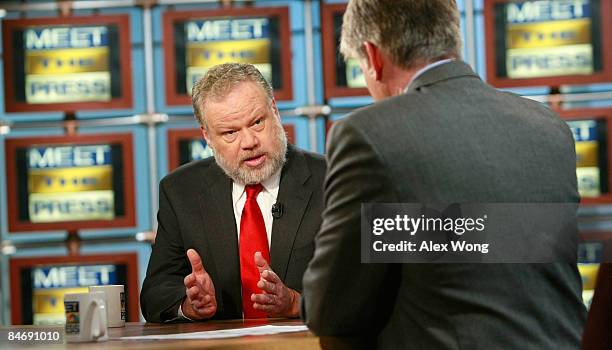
[{"x": 298, "y": 340}]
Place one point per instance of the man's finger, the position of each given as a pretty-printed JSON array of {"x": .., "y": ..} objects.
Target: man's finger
[
  {"x": 270, "y": 276},
  {"x": 266, "y": 286},
  {"x": 207, "y": 311},
  {"x": 207, "y": 299},
  {"x": 195, "y": 261},
  {"x": 196, "y": 305},
  {"x": 266, "y": 308},
  {"x": 263, "y": 299},
  {"x": 194, "y": 293},
  {"x": 201, "y": 304},
  {"x": 189, "y": 280}
]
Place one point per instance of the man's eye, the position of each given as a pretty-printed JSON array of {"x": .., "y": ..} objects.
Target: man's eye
[
  {"x": 229, "y": 133},
  {"x": 258, "y": 124}
]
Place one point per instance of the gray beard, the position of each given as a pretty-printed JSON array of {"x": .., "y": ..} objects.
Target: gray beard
[{"x": 276, "y": 160}]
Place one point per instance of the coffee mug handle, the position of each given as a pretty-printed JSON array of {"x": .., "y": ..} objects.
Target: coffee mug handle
[{"x": 99, "y": 315}]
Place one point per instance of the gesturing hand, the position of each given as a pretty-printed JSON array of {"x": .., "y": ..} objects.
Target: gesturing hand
[
  {"x": 277, "y": 300},
  {"x": 200, "y": 302}
]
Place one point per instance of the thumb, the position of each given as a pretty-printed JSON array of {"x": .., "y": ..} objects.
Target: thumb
[
  {"x": 261, "y": 263},
  {"x": 195, "y": 261}
]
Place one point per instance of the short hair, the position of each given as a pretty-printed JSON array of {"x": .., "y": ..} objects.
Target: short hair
[
  {"x": 220, "y": 80},
  {"x": 411, "y": 32}
]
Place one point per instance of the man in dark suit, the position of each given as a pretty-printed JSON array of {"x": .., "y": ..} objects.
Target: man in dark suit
[
  {"x": 437, "y": 134},
  {"x": 222, "y": 220}
]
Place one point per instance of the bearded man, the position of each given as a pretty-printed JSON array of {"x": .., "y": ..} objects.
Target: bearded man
[{"x": 235, "y": 231}]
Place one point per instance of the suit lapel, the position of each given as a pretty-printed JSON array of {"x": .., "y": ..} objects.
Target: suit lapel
[
  {"x": 294, "y": 194},
  {"x": 220, "y": 227}
]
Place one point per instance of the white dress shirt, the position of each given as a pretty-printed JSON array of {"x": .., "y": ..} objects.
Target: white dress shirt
[{"x": 425, "y": 69}]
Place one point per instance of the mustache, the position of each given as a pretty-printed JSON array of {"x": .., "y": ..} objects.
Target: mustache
[{"x": 249, "y": 155}]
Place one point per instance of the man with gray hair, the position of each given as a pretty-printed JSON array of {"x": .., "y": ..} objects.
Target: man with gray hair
[
  {"x": 437, "y": 134},
  {"x": 235, "y": 231}
]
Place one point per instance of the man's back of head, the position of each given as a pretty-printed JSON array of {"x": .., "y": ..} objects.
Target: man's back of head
[
  {"x": 423, "y": 31},
  {"x": 394, "y": 40}
]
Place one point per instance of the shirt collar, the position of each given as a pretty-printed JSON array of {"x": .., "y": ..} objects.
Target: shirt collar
[
  {"x": 270, "y": 185},
  {"x": 425, "y": 69}
]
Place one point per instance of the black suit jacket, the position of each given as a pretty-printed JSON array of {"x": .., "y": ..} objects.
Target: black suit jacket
[
  {"x": 450, "y": 139},
  {"x": 195, "y": 211}
]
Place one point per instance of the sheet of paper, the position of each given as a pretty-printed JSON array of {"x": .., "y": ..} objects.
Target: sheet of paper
[{"x": 224, "y": 333}]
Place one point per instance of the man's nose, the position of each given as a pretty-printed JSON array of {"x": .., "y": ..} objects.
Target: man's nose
[{"x": 249, "y": 139}]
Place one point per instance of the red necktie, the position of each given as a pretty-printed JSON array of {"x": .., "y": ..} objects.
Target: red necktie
[{"x": 253, "y": 238}]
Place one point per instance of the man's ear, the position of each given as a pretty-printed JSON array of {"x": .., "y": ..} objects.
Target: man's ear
[
  {"x": 375, "y": 60},
  {"x": 205, "y": 135},
  {"x": 275, "y": 109}
]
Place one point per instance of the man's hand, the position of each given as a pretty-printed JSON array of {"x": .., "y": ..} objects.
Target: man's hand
[
  {"x": 277, "y": 299},
  {"x": 200, "y": 302}
]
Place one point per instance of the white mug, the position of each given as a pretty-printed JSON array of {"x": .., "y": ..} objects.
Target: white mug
[
  {"x": 85, "y": 317},
  {"x": 115, "y": 303}
]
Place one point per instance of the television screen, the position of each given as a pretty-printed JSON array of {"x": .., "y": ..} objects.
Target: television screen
[
  {"x": 79, "y": 180},
  {"x": 64, "y": 64},
  {"x": 193, "y": 149},
  {"x": 348, "y": 74},
  {"x": 590, "y": 128},
  {"x": 591, "y": 156},
  {"x": 548, "y": 42},
  {"x": 342, "y": 78},
  {"x": 198, "y": 41},
  {"x": 40, "y": 284},
  {"x": 590, "y": 256},
  {"x": 588, "y": 274},
  {"x": 186, "y": 145}
]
